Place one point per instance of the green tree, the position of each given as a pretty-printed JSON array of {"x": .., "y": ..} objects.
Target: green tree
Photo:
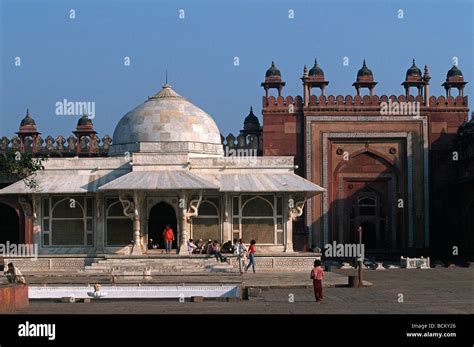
[{"x": 16, "y": 166}]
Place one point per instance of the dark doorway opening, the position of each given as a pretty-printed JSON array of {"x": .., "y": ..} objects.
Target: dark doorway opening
[
  {"x": 369, "y": 235},
  {"x": 160, "y": 215},
  {"x": 9, "y": 225},
  {"x": 367, "y": 209}
]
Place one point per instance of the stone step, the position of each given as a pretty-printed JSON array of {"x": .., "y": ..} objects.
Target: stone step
[
  {"x": 98, "y": 267},
  {"x": 151, "y": 264},
  {"x": 143, "y": 268},
  {"x": 154, "y": 262},
  {"x": 136, "y": 267},
  {"x": 127, "y": 272},
  {"x": 163, "y": 270},
  {"x": 223, "y": 268}
]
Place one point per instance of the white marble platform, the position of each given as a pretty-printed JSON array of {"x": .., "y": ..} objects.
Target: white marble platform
[{"x": 135, "y": 292}]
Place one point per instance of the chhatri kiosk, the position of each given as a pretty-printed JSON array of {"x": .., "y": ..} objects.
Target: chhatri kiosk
[{"x": 165, "y": 165}]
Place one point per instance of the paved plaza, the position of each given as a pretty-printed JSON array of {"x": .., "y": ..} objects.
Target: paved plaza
[{"x": 397, "y": 291}]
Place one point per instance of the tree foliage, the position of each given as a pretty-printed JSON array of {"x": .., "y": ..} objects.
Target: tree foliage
[{"x": 16, "y": 166}]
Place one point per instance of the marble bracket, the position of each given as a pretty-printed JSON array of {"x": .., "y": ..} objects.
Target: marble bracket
[
  {"x": 193, "y": 208},
  {"x": 129, "y": 209},
  {"x": 296, "y": 210}
]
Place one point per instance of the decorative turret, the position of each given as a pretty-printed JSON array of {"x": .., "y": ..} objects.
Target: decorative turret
[
  {"x": 413, "y": 78},
  {"x": 315, "y": 78},
  {"x": 251, "y": 123},
  {"x": 252, "y": 132},
  {"x": 28, "y": 129},
  {"x": 364, "y": 73},
  {"x": 365, "y": 79},
  {"x": 273, "y": 80},
  {"x": 273, "y": 72},
  {"x": 413, "y": 73},
  {"x": 316, "y": 72},
  {"x": 454, "y": 79},
  {"x": 454, "y": 74},
  {"x": 85, "y": 131}
]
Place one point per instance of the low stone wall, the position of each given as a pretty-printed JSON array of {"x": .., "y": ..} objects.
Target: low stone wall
[
  {"x": 51, "y": 263},
  {"x": 13, "y": 297},
  {"x": 278, "y": 263},
  {"x": 294, "y": 262}
]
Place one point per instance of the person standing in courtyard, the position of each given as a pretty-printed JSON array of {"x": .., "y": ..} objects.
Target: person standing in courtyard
[
  {"x": 241, "y": 252},
  {"x": 317, "y": 275},
  {"x": 168, "y": 236},
  {"x": 251, "y": 253}
]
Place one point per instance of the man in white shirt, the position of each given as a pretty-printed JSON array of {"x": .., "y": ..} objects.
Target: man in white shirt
[
  {"x": 14, "y": 275},
  {"x": 241, "y": 255}
]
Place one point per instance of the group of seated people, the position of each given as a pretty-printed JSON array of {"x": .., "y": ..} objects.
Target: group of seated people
[{"x": 211, "y": 248}]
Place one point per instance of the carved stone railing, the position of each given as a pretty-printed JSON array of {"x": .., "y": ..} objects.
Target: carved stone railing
[
  {"x": 59, "y": 146},
  {"x": 247, "y": 142}
]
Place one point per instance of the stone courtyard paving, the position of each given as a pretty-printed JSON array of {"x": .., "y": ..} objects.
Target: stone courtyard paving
[{"x": 437, "y": 291}]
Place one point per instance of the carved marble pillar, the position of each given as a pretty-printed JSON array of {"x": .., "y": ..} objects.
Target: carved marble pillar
[
  {"x": 227, "y": 217},
  {"x": 132, "y": 210},
  {"x": 288, "y": 246},
  {"x": 143, "y": 221},
  {"x": 294, "y": 210},
  {"x": 182, "y": 247},
  {"x": 37, "y": 211},
  {"x": 137, "y": 247},
  {"x": 99, "y": 223}
]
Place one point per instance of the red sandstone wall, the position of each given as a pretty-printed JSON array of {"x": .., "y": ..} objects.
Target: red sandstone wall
[
  {"x": 445, "y": 115},
  {"x": 281, "y": 134},
  {"x": 13, "y": 297},
  {"x": 443, "y": 127}
]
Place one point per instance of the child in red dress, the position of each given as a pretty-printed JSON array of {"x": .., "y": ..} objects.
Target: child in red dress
[{"x": 317, "y": 275}]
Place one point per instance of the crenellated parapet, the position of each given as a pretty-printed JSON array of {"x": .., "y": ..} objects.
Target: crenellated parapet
[
  {"x": 330, "y": 102},
  {"x": 282, "y": 103}
]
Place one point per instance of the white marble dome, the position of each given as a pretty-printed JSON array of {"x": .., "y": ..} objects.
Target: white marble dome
[{"x": 167, "y": 122}]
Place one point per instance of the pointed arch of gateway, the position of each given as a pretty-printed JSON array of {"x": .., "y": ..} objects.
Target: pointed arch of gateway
[{"x": 366, "y": 188}]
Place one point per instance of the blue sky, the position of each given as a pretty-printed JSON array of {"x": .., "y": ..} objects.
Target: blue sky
[{"x": 82, "y": 59}]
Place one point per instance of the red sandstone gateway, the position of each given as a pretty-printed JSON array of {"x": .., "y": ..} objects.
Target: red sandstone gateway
[{"x": 398, "y": 176}]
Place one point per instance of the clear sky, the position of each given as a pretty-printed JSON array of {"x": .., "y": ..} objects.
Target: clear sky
[{"x": 82, "y": 59}]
